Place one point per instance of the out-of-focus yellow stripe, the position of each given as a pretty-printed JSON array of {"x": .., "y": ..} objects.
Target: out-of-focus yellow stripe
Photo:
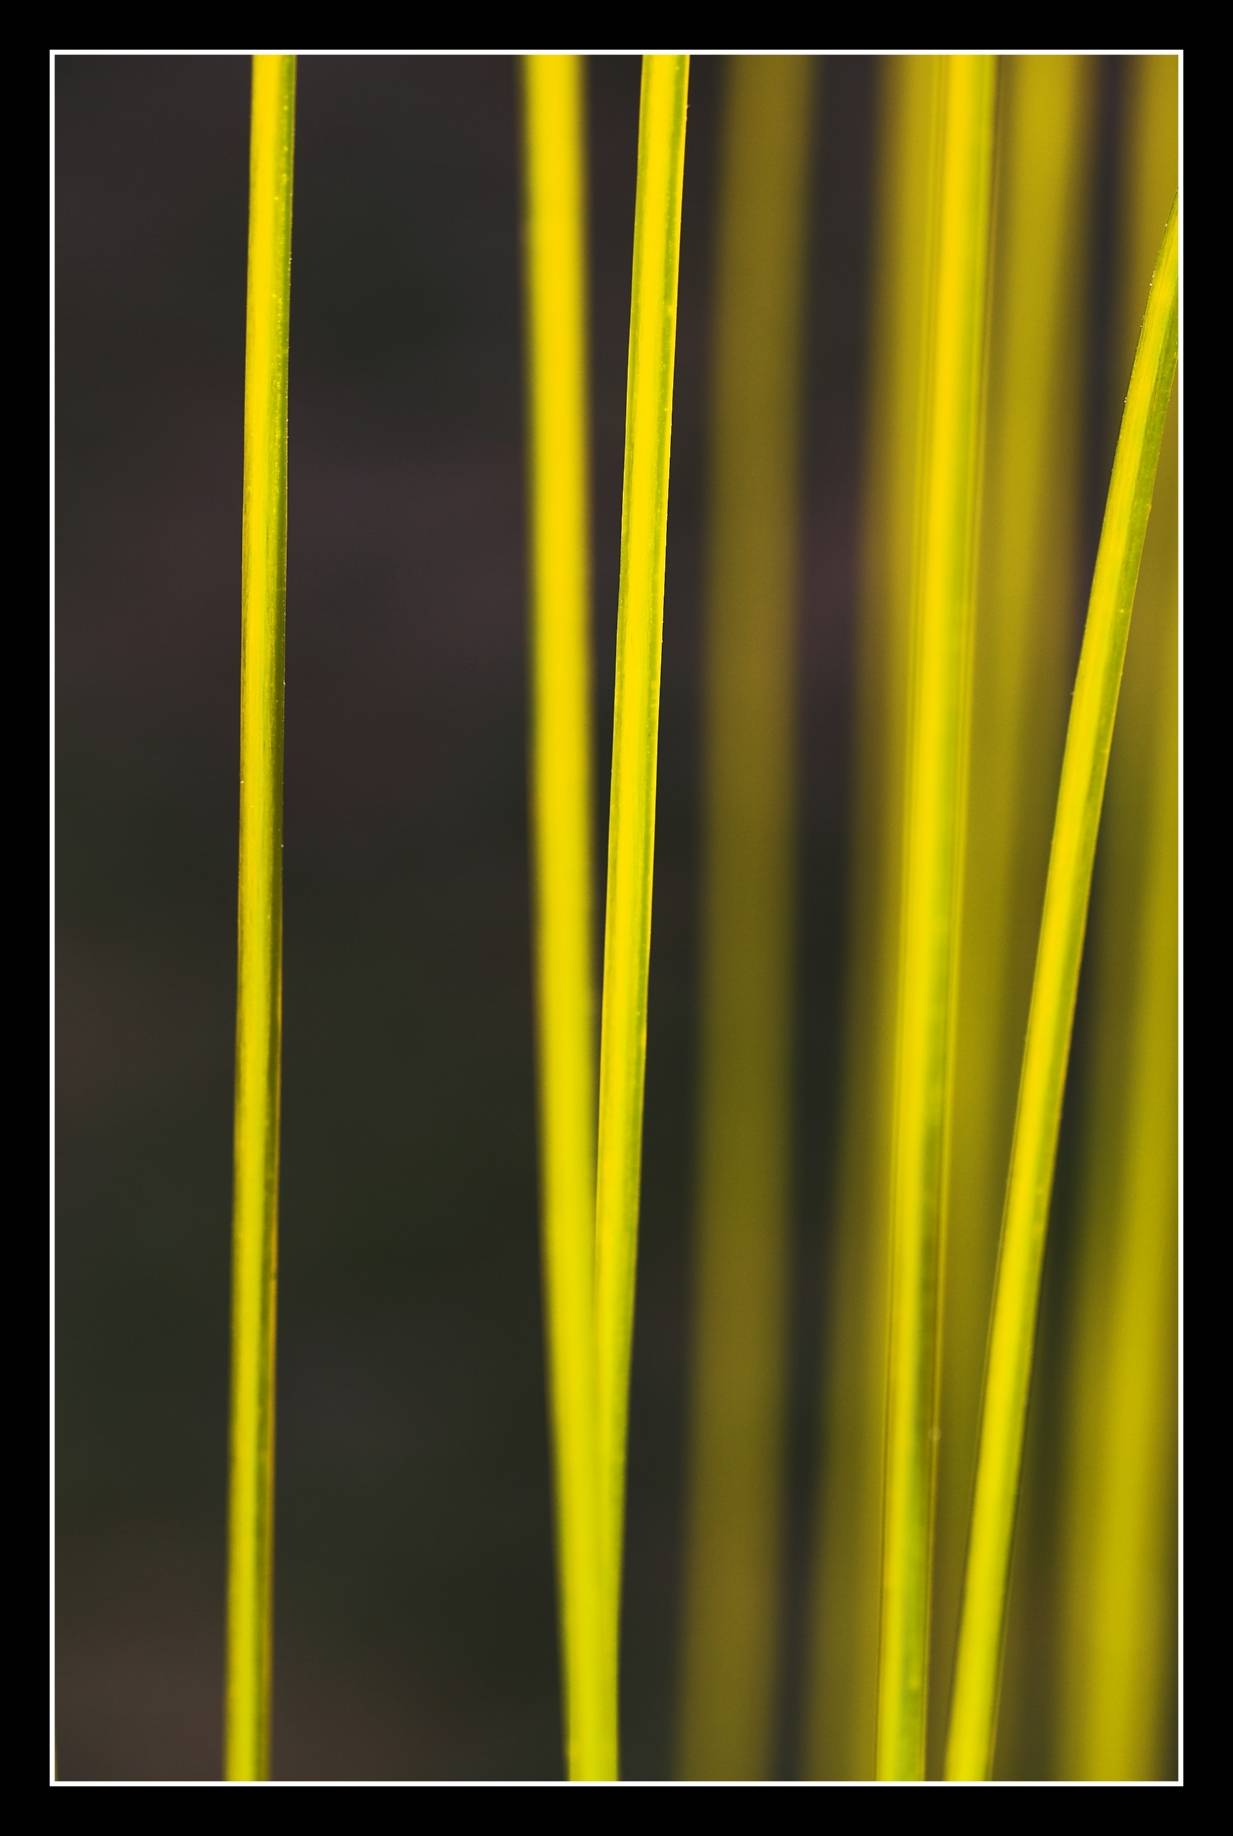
[
  {"x": 250, "y": 1536},
  {"x": 1119, "y": 1498},
  {"x": 1030, "y": 589},
  {"x": 732, "y": 1576},
  {"x": 937, "y": 756},
  {"x": 554, "y": 164},
  {"x": 631, "y": 818},
  {"x": 841, "y": 1691}
]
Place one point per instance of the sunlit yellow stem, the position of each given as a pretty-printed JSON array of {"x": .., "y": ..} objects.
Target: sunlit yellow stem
[
  {"x": 1119, "y": 1397},
  {"x": 933, "y": 862},
  {"x": 735, "y": 1508},
  {"x": 1029, "y": 591},
  {"x": 259, "y": 1002},
  {"x": 631, "y": 817},
  {"x": 840, "y": 1708},
  {"x": 561, "y": 742},
  {"x": 969, "y": 1750}
]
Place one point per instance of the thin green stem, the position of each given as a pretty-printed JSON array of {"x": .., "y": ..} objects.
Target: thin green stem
[
  {"x": 1029, "y": 581},
  {"x": 1116, "y": 1411},
  {"x": 932, "y": 883},
  {"x": 554, "y": 156},
  {"x": 973, "y": 1718},
  {"x": 631, "y": 821},
  {"x": 259, "y": 979}
]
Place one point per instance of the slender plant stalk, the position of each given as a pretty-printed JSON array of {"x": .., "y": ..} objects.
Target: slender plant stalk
[
  {"x": 1117, "y": 1419},
  {"x": 631, "y": 819},
  {"x": 735, "y": 1504},
  {"x": 1118, "y": 1628},
  {"x": 932, "y": 884},
  {"x": 841, "y": 1691},
  {"x": 259, "y": 1001},
  {"x": 969, "y": 1749},
  {"x": 1021, "y": 672},
  {"x": 554, "y": 160}
]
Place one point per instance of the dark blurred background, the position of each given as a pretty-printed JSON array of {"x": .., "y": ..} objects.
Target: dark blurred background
[{"x": 414, "y": 1596}]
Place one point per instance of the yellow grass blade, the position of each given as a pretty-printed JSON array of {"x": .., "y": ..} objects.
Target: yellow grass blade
[
  {"x": 259, "y": 1002},
  {"x": 732, "y": 1575},
  {"x": 933, "y": 861},
  {"x": 631, "y": 820},
  {"x": 1118, "y": 1418},
  {"x": 840, "y": 1708},
  {"x": 969, "y": 1750},
  {"x": 1029, "y": 590},
  {"x": 554, "y": 160}
]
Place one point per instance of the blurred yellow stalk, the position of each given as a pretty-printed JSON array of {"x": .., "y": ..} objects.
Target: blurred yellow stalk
[
  {"x": 732, "y": 1572},
  {"x": 254, "y": 1278},
  {"x": 555, "y": 216},
  {"x": 1119, "y": 1498},
  {"x": 840, "y": 1705},
  {"x": 935, "y": 802},
  {"x": 1030, "y": 588},
  {"x": 631, "y": 818}
]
